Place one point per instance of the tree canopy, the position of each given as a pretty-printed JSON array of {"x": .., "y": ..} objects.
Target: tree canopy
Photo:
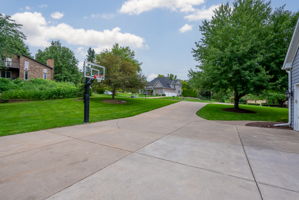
[
  {"x": 11, "y": 38},
  {"x": 172, "y": 77},
  {"x": 64, "y": 61},
  {"x": 91, "y": 55},
  {"x": 236, "y": 53},
  {"x": 122, "y": 69}
]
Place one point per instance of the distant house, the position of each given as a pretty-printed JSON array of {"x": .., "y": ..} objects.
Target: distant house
[
  {"x": 25, "y": 68},
  {"x": 164, "y": 86},
  {"x": 291, "y": 65}
]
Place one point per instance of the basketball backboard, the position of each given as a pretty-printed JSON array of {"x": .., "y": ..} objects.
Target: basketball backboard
[{"x": 94, "y": 71}]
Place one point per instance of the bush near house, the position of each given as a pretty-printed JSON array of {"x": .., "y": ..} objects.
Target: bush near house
[{"x": 36, "y": 89}]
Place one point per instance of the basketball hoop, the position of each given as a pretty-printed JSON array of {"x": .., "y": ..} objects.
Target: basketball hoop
[
  {"x": 91, "y": 71},
  {"x": 98, "y": 78}
]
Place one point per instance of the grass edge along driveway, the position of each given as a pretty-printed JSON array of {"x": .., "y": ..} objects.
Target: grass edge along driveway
[
  {"x": 263, "y": 113},
  {"x": 39, "y": 115}
]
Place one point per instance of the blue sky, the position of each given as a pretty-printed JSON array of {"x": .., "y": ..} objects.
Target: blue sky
[{"x": 162, "y": 32}]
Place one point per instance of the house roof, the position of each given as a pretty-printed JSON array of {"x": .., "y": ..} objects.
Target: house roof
[
  {"x": 293, "y": 48},
  {"x": 37, "y": 61},
  {"x": 165, "y": 82}
]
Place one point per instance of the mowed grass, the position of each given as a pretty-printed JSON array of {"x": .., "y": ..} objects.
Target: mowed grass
[
  {"x": 216, "y": 112},
  {"x": 38, "y": 115}
]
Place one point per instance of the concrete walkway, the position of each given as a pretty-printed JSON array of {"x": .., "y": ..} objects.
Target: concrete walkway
[{"x": 165, "y": 154}]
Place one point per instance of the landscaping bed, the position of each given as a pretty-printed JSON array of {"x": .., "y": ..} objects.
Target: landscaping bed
[
  {"x": 253, "y": 113},
  {"x": 267, "y": 125}
]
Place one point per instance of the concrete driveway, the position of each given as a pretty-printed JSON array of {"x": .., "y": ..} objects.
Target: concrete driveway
[{"x": 165, "y": 154}]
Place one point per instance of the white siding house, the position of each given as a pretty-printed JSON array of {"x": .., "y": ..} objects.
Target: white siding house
[
  {"x": 164, "y": 86},
  {"x": 291, "y": 65}
]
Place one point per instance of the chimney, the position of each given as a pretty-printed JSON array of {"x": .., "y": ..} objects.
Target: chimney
[{"x": 50, "y": 63}]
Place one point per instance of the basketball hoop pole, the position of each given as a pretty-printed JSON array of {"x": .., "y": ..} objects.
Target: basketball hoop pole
[{"x": 88, "y": 82}]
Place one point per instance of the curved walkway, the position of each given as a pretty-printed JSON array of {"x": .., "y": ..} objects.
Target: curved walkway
[{"x": 167, "y": 154}]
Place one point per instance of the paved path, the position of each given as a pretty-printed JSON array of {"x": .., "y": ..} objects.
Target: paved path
[{"x": 165, "y": 154}]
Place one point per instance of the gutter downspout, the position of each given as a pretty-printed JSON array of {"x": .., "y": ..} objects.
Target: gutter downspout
[{"x": 289, "y": 99}]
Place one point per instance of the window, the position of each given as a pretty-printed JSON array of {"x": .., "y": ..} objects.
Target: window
[
  {"x": 26, "y": 65},
  {"x": 8, "y": 74},
  {"x": 45, "y": 71},
  {"x": 26, "y": 68},
  {"x": 8, "y": 62},
  {"x": 2, "y": 74},
  {"x": 5, "y": 74},
  {"x": 25, "y": 75}
]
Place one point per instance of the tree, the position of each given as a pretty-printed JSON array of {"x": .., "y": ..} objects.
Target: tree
[
  {"x": 187, "y": 91},
  {"x": 232, "y": 48},
  {"x": 172, "y": 77},
  {"x": 122, "y": 69},
  {"x": 11, "y": 38},
  {"x": 281, "y": 27},
  {"x": 160, "y": 76},
  {"x": 64, "y": 60},
  {"x": 91, "y": 55}
]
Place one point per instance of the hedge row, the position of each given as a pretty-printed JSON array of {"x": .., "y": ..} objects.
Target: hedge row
[{"x": 37, "y": 89}]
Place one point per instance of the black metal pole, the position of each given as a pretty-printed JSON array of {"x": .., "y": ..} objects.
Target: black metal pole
[{"x": 86, "y": 99}]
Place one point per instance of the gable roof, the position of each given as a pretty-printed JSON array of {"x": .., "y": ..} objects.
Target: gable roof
[
  {"x": 293, "y": 48},
  {"x": 164, "y": 81},
  {"x": 37, "y": 61}
]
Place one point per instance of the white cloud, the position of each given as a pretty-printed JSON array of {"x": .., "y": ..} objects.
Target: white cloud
[
  {"x": 27, "y": 8},
  {"x": 139, "y": 6},
  {"x": 185, "y": 28},
  {"x": 57, "y": 15},
  {"x": 151, "y": 77},
  {"x": 39, "y": 33},
  {"x": 201, "y": 14}
]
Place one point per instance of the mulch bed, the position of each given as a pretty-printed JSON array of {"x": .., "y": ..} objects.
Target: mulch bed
[
  {"x": 114, "y": 101},
  {"x": 238, "y": 110},
  {"x": 268, "y": 125}
]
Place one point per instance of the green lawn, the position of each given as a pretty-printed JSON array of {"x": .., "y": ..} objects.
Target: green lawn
[
  {"x": 216, "y": 112},
  {"x": 38, "y": 115}
]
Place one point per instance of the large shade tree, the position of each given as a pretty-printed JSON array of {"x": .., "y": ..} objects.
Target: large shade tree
[
  {"x": 122, "y": 69},
  {"x": 11, "y": 38},
  {"x": 233, "y": 46},
  {"x": 280, "y": 30},
  {"x": 64, "y": 61}
]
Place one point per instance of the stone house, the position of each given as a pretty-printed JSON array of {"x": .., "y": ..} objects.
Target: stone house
[
  {"x": 164, "y": 86},
  {"x": 26, "y": 68}
]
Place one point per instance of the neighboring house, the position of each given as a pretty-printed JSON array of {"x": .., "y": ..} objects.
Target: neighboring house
[
  {"x": 291, "y": 65},
  {"x": 164, "y": 86},
  {"x": 25, "y": 68}
]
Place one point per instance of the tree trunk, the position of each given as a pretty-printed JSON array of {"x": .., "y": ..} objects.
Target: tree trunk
[
  {"x": 236, "y": 103},
  {"x": 236, "y": 100},
  {"x": 113, "y": 93}
]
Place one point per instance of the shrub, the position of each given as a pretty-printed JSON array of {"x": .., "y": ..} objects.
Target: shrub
[
  {"x": 38, "y": 89},
  {"x": 189, "y": 93},
  {"x": 7, "y": 84}
]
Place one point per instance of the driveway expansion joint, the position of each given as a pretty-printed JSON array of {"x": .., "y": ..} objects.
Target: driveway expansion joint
[
  {"x": 196, "y": 167},
  {"x": 251, "y": 169}
]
